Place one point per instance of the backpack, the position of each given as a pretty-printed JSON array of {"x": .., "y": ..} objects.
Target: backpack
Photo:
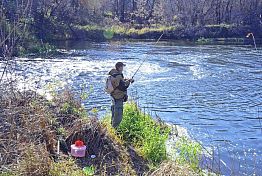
[{"x": 109, "y": 87}]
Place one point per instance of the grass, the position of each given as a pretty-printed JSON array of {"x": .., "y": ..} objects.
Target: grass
[
  {"x": 89, "y": 27},
  {"x": 170, "y": 168},
  {"x": 109, "y": 31},
  {"x": 144, "y": 133},
  {"x": 33, "y": 126},
  {"x": 146, "y": 30},
  {"x": 65, "y": 167},
  {"x": 189, "y": 152},
  {"x": 30, "y": 129}
]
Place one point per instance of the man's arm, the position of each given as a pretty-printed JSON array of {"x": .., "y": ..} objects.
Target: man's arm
[{"x": 128, "y": 81}]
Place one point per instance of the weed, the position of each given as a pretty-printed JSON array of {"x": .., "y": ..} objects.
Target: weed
[
  {"x": 61, "y": 131},
  {"x": 89, "y": 170}
]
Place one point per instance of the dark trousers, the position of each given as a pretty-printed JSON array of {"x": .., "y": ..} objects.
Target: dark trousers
[{"x": 117, "y": 112}]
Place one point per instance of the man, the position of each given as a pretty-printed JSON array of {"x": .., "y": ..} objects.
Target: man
[{"x": 119, "y": 95}]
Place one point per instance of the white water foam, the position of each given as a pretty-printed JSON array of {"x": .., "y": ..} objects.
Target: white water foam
[{"x": 36, "y": 74}]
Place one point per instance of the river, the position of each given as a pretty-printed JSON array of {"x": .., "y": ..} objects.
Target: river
[{"x": 212, "y": 90}]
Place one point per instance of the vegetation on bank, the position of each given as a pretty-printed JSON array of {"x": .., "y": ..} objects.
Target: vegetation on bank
[
  {"x": 31, "y": 127},
  {"x": 209, "y": 34},
  {"x": 146, "y": 135}
]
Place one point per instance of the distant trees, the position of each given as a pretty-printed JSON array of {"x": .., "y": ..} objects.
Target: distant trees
[
  {"x": 14, "y": 19},
  {"x": 186, "y": 12}
]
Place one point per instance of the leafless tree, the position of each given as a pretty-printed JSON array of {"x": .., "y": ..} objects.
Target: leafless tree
[{"x": 13, "y": 26}]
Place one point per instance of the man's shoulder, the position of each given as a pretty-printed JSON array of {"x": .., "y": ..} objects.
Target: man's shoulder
[{"x": 118, "y": 75}]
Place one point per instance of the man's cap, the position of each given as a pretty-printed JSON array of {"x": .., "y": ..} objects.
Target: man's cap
[{"x": 120, "y": 64}]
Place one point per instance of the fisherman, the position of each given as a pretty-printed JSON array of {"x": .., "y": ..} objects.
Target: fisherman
[{"x": 119, "y": 94}]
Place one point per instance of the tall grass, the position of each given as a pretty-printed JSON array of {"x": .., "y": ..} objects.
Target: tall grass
[
  {"x": 144, "y": 133},
  {"x": 190, "y": 152}
]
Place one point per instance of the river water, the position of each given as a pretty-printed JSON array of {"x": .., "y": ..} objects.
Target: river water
[{"x": 214, "y": 91}]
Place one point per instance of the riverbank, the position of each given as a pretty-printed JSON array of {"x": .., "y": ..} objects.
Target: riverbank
[
  {"x": 204, "y": 35},
  {"x": 36, "y": 137},
  {"x": 209, "y": 34}
]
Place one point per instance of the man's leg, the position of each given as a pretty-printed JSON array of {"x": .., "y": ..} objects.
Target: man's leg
[
  {"x": 117, "y": 113},
  {"x": 113, "y": 111}
]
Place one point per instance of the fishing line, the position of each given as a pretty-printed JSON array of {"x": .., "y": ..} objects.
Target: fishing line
[{"x": 147, "y": 56}]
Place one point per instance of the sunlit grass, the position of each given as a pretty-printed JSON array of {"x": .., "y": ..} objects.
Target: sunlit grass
[
  {"x": 189, "y": 152},
  {"x": 127, "y": 30},
  {"x": 143, "y": 132}
]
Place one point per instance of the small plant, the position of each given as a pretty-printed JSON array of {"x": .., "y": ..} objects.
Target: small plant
[
  {"x": 61, "y": 131},
  {"x": 66, "y": 108},
  {"x": 89, "y": 170},
  {"x": 84, "y": 94},
  {"x": 189, "y": 152},
  {"x": 94, "y": 111}
]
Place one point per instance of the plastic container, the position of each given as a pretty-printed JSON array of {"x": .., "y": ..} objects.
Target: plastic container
[{"x": 78, "y": 149}]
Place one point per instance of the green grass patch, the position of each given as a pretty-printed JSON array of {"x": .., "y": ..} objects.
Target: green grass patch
[
  {"x": 109, "y": 31},
  {"x": 189, "y": 152},
  {"x": 118, "y": 29},
  {"x": 146, "y": 30},
  {"x": 144, "y": 133}
]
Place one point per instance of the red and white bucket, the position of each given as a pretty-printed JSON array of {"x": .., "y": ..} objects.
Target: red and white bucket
[{"x": 78, "y": 149}]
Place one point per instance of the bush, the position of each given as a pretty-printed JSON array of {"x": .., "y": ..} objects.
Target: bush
[{"x": 143, "y": 132}]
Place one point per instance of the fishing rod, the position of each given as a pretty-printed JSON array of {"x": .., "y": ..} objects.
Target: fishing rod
[{"x": 146, "y": 57}]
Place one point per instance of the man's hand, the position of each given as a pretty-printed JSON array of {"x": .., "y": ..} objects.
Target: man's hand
[{"x": 131, "y": 81}]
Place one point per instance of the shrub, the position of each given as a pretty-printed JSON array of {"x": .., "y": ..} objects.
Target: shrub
[{"x": 143, "y": 132}]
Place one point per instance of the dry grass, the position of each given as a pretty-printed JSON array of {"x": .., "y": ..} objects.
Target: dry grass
[
  {"x": 171, "y": 168},
  {"x": 23, "y": 123},
  {"x": 30, "y": 127},
  {"x": 34, "y": 160}
]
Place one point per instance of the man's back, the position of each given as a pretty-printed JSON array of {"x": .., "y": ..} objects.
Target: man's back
[{"x": 119, "y": 84}]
